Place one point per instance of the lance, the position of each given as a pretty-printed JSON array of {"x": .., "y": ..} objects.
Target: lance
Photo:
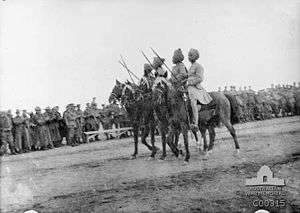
[
  {"x": 160, "y": 59},
  {"x": 134, "y": 75},
  {"x": 147, "y": 59},
  {"x": 163, "y": 62},
  {"x": 127, "y": 71}
]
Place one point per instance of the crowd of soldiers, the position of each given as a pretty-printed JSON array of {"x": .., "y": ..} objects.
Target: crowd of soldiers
[
  {"x": 27, "y": 132},
  {"x": 276, "y": 101}
]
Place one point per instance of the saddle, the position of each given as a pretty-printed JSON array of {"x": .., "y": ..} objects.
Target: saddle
[{"x": 211, "y": 105}]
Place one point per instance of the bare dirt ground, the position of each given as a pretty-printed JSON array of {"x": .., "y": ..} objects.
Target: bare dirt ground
[{"x": 101, "y": 177}]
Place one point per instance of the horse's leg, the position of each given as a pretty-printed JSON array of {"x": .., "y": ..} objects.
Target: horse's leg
[
  {"x": 197, "y": 140},
  {"x": 184, "y": 129},
  {"x": 136, "y": 140},
  {"x": 145, "y": 134},
  {"x": 176, "y": 138},
  {"x": 212, "y": 135},
  {"x": 203, "y": 134},
  {"x": 152, "y": 133},
  {"x": 163, "y": 141},
  {"x": 233, "y": 134}
]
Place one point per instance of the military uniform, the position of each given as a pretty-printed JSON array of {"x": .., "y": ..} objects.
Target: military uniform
[
  {"x": 18, "y": 132},
  {"x": 49, "y": 119},
  {"x": 34, "y": 133},
  {"x": 70, "y": 119},
  {"x": 6, "y": 133},
  {"x": 55, "y": 126},
  {"x": 43, "y": 135},
  {"x": 79, "y": 125},
  {"x": 195, "y": 90},
  {"x": 25, "y": 131}
]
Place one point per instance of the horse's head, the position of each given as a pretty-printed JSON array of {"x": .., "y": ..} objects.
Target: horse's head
[
  {"x": 116, "y": 93},
  {"x": 160, "y": 92}
]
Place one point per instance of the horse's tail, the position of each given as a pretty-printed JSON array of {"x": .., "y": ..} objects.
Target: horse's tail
[{"x": 234, "y": 108}]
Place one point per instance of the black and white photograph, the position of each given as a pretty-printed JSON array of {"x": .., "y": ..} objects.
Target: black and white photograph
[{"x": 148, "y": 106}]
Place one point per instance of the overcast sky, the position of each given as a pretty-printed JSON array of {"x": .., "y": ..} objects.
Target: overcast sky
[{"x": 60, "y": 51}]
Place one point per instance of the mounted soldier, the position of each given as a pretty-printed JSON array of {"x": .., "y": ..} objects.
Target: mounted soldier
[
  {"x": 160, "y": 73},
  {"x": 179, "y": 71},
  {"x": 147, "y": 80},
  {"x": 196, "y": 92}
]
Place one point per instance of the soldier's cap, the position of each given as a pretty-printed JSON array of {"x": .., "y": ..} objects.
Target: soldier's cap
[
  {"x": 47, "y": 108},
  {"x": 17, "y": 111},
  {"x": 37, "y": 108},
  {"x": 78, "y": 105},
  {"x": 24, "y": 110}
]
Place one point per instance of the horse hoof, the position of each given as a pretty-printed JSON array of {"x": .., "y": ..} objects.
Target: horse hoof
[
  {"x": 133, "y": 157},
  {"x": 185, "y": 162},
  {"x": 162, "y": 157},
  {"x": 151, "y": 159},
  {"x": 206, "y": 155},
  {"x": 237, "y": 153},
  {"x": 181, "y": 152}
]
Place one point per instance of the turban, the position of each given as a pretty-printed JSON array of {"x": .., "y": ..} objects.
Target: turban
[
  {"x": 177, "y": 56},
  {"x": 157, "y": 62},
  {"x": 193, "y": 54},
  {"x": 147, "y": 69}
]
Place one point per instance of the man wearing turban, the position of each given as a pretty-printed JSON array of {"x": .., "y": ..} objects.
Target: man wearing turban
[
  {"x": 179, "y": 71},
  {"x": 195, "y": 90}
]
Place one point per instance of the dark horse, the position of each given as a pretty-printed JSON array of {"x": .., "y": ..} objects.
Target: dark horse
[
  {"x": 172, "y": 114},
  {"x": 140, "y": 112}
]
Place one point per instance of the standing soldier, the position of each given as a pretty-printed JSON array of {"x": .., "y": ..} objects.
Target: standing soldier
[
  {"x": 56, "y": 126},
  {"x": 48, "y": 118},
  {"x": 225, "y": 90},
  {"x": 34, "y": 133},
  {"x": 25, "y": 131},
  {"x": 7, "y": 139},
  {"x": 251, "y": 103},
  {"x": 70, "y": 119},
  {"x": 18, "y": 128},
  {"x": 43, "y": 134},
  {"x": 79, "y": 124}
]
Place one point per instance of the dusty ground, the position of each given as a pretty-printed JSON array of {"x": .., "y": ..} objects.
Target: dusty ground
[{"x": 101, "y": 177}]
